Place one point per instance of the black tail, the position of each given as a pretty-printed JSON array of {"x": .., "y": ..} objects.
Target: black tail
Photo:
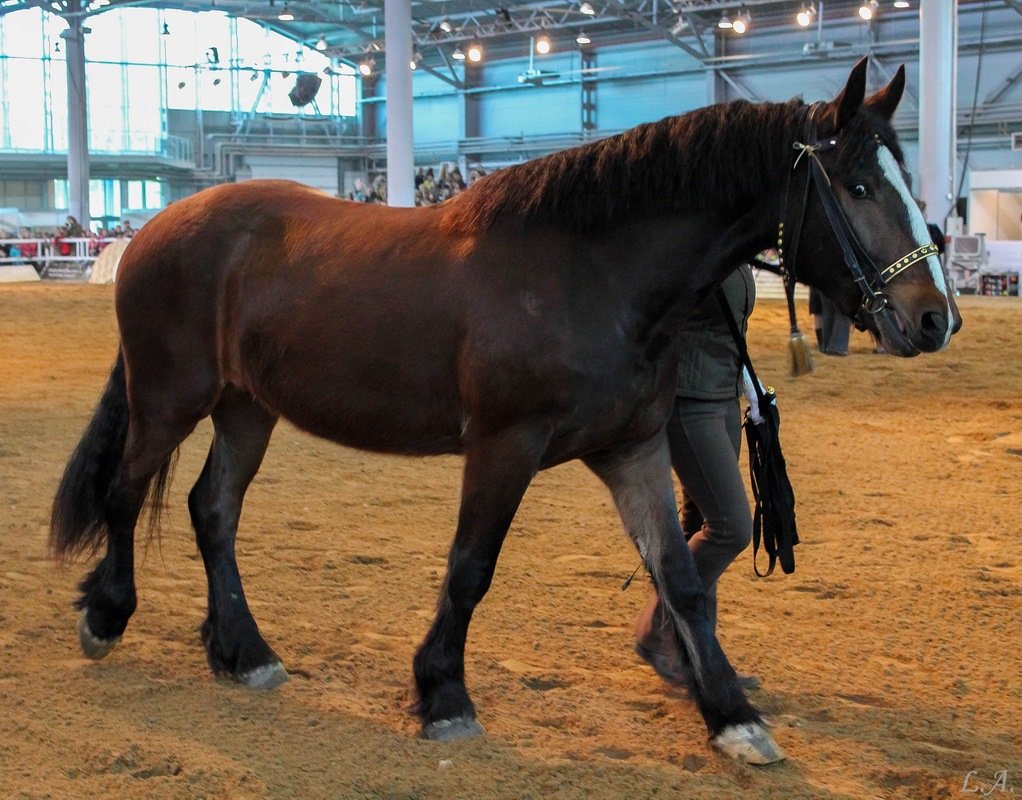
[{"x": 78, "y": 522}]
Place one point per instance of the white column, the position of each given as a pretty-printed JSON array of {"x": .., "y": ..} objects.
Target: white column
[
  {"x": 400, "y": 153},
  {"x": 938, "y": 102},
  {"x": 77, "y": 122}
]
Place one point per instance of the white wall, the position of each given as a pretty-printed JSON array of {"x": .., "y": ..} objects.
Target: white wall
[{"x": 317, "y": 171}]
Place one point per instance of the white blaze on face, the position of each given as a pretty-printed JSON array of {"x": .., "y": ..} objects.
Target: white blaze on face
[{"x": 892, "y": 171}]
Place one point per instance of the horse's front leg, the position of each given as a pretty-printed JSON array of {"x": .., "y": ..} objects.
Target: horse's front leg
[
  {"x": 498, "y": 469},
  {"x": 639, "y": 479}
]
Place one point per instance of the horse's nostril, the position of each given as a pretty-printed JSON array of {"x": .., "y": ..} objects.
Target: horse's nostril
[{"x": 933, "y": 326}]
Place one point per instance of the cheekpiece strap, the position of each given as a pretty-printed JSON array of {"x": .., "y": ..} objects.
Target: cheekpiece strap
[{"x": 903, "y": 263}]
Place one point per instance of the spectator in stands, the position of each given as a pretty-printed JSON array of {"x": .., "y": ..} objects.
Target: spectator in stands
[
  {"x": 456, "y": 182},
  {"x": 28, "y": 250},
  {"x": 358, "y": 193},
  {"x": 73, "y": 228},
  {"x": 126, "y": 230},
  {"x": 63, "y": 247}
]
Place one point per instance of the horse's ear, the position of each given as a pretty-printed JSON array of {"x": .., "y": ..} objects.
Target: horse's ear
[
  {"x": 886, "y": 100},
  {"x": 842, "y": 107}
]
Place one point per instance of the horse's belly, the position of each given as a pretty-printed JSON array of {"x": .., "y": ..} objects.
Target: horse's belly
[{"x": 390, "y": 399}]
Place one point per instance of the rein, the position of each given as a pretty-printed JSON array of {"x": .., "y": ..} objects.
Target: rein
[{"x": 856, "y": 258}]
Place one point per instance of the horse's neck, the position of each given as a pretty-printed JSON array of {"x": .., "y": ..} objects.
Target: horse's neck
[{"x": 672, "y": 265}]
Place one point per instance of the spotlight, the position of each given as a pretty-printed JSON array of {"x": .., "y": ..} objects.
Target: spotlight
[
  {"x": 365, "y": 68},
  {"x": 445, "y": 25},
  {"x": 166, "y": 30},
  {"x": 285, "y": 14},
  {"x": 543, "y": 45},
  {"x": 724, "y": 23},
  {"x": 741, "y": 23},
  {"x": 805, "y": 15},
  {"x": 321, "y": 43},
  {"x": 475, "y": 52},
  {"x": 416, "y": 60},
  {"x": 458, "y": 54},
  {"x": 867, "y": 9},
  {"x": 678, "y": 27},
  {"x": 901, "y": 3},
  {"x": 582, "y": 38},
  {"x": 216, "y": 81},
  {"x": 255, "y": 76},
  {"x": 587, "y": 9},
  {"x": 181, "y": 85}
]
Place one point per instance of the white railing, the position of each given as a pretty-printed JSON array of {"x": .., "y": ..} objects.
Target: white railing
[{"x": 78, "y": 252}]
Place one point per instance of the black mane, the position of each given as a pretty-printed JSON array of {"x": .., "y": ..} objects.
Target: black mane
[{"x": 715, "y": 157}]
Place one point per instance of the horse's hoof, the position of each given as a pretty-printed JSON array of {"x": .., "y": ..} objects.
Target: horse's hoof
[
  {"x": 449, "y": 730},
  {"x": 268, "y": 676},
  {"x": 93, "y": 647},
  {"x": 749, "y": 743}
]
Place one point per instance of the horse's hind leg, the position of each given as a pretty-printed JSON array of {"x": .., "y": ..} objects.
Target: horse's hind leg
[
  {"x": 108, "y": 593},
  {"x": 234, "y": 647},
  {"x": 498, "y": 469},
  {"x": 640, "y": 481}
]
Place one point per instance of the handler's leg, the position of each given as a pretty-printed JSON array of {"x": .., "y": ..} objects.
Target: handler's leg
[{"x": 705, "y": 439}]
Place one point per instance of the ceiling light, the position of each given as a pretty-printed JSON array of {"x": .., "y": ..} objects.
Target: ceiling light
[
  {"x": 741, "y": 23},
  {"x": 445, "y": 25},
  {"x": 805, "y": 15},
  {"x": 587, "y": 9},
  {"x": 867, "y": 9},
  {"x": 678, "y": 27},
  {"x": 365, "y": 68},
  {"x": 582, "y": 38},
  {"x": 901, "y": 3},
  {"x": 475, "y": 52},
  {"x": 416, "y": 58},
  {"x": 285, "y": 14},
  {"x": 458, "y": 54},
  {"x": 543, "y": 45},
  {"x": 321, "y": 43},
  {"x": 724, "y": 23}
]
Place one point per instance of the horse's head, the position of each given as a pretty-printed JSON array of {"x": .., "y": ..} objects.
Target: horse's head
[{"x": 864, "y": 241}]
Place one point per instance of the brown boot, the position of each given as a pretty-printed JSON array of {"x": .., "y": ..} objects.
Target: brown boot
[{"x": 657, "y": 644}]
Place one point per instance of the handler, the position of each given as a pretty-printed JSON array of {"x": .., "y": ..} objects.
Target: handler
[{"x": 705, "y": 434}]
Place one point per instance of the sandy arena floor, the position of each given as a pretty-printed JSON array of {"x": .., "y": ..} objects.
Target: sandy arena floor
[{"x": 890, "y": 660}]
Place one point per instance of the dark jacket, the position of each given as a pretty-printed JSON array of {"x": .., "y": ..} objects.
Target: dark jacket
[{"x": 710, "y": 366}]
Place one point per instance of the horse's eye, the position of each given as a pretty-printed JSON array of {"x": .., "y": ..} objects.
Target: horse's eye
[{"x": 858, "y": 191}]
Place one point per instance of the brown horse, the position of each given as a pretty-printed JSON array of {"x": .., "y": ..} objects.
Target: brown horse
[{"x": 527, "y": 322}]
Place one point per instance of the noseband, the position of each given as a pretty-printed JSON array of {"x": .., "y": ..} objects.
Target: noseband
[{"x": 867, "y": 275}]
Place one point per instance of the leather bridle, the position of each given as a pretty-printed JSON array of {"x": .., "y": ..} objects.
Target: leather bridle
[{"x": 870, "y": 279}]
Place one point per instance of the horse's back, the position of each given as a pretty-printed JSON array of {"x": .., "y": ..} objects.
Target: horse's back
[{"x": 340, "y": 316}]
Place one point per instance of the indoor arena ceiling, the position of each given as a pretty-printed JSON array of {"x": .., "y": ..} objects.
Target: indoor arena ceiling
[{"x": 353, "y": 29}]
